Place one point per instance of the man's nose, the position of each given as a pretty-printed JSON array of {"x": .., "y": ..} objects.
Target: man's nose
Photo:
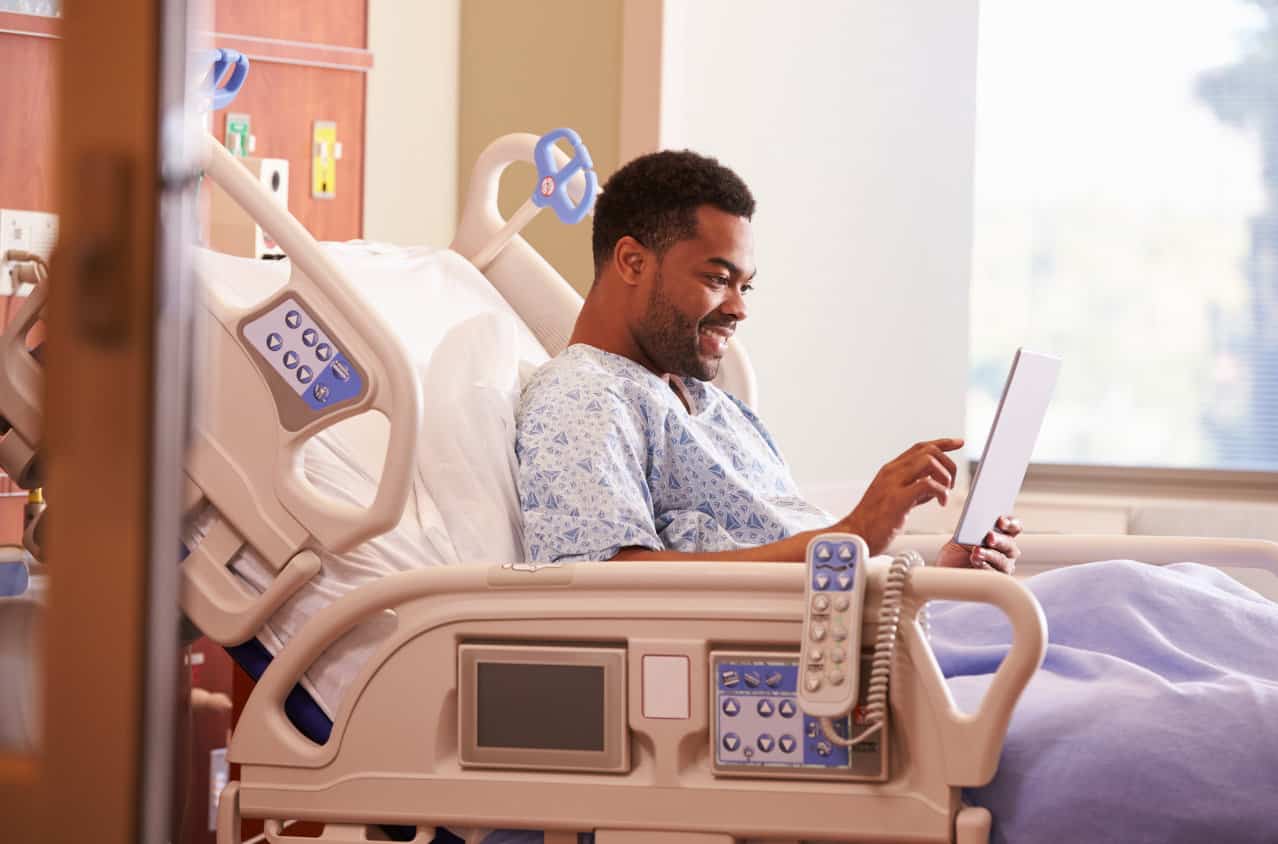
[{"x": 734, "y": 304}]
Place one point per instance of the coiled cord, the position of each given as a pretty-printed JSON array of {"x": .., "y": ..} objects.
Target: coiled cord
[{"x": 884, "y": 649}]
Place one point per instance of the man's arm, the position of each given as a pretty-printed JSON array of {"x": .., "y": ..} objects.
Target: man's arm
[
  {"x": 924, "y": 472},
  {"x": 789, "y": 550},
  {"x": 998, "y": 551}
]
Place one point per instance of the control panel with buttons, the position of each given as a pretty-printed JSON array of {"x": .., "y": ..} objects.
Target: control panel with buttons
[
  {"x": 833, "y": 595},
  {"x": 759, "y": 730},
  {"x": 309, "y": 362}
]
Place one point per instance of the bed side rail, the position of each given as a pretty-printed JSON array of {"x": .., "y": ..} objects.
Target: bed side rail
[{"x": 278, "y": 373}]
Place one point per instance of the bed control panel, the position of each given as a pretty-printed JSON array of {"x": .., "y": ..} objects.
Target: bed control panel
[
  {"x": 833, "y": 596},
  {"x": 308, "y": 364},
  {"x": 758, "y": 729}
]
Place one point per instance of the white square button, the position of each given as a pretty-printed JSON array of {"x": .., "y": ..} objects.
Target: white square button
[{"x": 666, "y": 687}]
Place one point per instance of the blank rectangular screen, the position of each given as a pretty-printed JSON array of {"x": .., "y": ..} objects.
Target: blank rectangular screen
[{"x": 540, "y": 706}]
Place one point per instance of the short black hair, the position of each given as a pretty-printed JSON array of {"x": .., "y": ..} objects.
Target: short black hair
[{"x": 655, "y": 197}]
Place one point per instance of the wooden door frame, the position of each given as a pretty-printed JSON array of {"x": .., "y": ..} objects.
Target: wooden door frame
[{"x": 114, "y": 434}]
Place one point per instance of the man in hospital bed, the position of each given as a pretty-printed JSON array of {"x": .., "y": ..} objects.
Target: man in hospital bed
[
  {"x": 626, "y": 451},
  {"x": 1159, "y": 682}
]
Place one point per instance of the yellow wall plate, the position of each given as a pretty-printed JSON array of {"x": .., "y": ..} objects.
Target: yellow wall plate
[{"x": 324, "y": 155}]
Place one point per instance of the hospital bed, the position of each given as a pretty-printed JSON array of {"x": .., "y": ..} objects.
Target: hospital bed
[{"x": 638, "y": 653}]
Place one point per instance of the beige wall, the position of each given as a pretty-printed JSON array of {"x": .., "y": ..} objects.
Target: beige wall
[
  {"x": 410, "y": 166},
  {"x": 533, "y": 67},
  {"x": 854, "y": 124}
]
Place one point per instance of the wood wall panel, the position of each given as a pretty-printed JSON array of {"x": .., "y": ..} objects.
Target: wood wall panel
[
  {"x": 283, "y": 101},
  {"x": 343, "y": 23},
  {"x": 28, "y": 82}
]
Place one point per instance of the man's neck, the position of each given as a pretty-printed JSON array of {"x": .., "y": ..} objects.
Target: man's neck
[{"x": 600, "y": 325}]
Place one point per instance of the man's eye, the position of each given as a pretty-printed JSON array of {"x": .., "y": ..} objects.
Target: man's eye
[
  {"x": 746, "y": 288},
  {"x": 717, "y": 279}
]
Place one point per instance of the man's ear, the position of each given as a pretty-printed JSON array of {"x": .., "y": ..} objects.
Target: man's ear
[{"x": 631, "y": 259}]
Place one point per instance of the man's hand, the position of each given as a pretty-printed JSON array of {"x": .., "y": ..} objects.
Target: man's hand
[
  {"x": 922, "y": 473},
  {"x": 998, "y": 551}
]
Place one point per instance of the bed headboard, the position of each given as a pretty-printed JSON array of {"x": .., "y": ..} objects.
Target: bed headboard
[{"x": 535, "y": 289}]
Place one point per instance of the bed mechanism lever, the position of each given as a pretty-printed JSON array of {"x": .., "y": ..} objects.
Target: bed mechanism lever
[{"x": 218, "y": 603}]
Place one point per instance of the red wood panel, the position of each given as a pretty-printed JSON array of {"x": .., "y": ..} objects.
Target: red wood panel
[
  {"x": 283, "y": 101},
  {"x": 27, "y": 87},
  {"x": 343, "y": 23}
]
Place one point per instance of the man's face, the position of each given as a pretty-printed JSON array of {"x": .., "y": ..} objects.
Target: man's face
[{"x": 696, "y": 296}]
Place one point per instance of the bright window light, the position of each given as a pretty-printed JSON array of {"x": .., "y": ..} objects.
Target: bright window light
[{"x": 1126, "y": 218}]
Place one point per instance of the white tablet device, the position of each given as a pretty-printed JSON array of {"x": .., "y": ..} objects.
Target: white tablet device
[{"x": 1010, "y": 444}]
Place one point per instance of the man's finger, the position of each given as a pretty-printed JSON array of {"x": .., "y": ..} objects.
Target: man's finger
[
  {"x": 929, "y": 465},
  {"x": 947, "y": 462},
  {"x": 989, "y": 558},
  {"x": 1003, "y": 544},
  {"x": 926, "y": 488},
  {"x": 948, "y": 444},
  {"x": 1009, "y": 525}
]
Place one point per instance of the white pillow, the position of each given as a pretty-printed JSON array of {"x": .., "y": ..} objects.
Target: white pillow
[{"x": 467, "y": 453}]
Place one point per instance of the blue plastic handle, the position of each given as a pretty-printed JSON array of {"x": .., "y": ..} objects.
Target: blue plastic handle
[
  {"x": 222, "y": 59},
  {"x": 552, "y": 184}
]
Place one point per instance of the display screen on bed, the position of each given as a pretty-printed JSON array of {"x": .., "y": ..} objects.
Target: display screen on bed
[{"x": 545, "y": 707}]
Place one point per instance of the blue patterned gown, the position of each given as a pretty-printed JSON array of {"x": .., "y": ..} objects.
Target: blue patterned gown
[{"x": 609, "y": 457}]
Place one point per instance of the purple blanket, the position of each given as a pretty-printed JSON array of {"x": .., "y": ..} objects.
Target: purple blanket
[{"x": 1153, "y": 719}]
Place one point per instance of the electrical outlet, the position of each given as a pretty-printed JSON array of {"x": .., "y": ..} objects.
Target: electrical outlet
[{"x": 31, "y": 231}]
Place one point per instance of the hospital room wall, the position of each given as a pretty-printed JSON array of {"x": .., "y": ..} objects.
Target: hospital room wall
[
  {"x": 533, "y": 67},
  {"x": 309, "y": 62},
  {"x": 854, "y": 125},
  {"x": 410, "y": 174}
]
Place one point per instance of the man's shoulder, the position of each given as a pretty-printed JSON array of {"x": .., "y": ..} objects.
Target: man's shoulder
[{"x": 584, "y": 378}]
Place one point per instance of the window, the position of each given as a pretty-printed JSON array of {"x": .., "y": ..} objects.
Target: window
[{"x": 1126, "y": 218}]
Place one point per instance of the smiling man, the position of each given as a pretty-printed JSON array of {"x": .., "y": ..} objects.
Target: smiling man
[{"x": 626, "y": 451}]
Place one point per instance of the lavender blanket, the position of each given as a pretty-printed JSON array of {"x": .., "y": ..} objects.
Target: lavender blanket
[{"x": 1153, "y": 719}]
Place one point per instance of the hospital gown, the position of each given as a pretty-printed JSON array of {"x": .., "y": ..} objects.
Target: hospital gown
[{"x": 610, "y": 458}]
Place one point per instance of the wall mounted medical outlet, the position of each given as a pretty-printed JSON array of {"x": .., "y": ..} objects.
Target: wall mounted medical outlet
[
  {"x": 239, "y": 135},
  {"x": 35, "y": 232},
  {"x": 231, "y": 229},
  {"x": 282, "y": 370},
  {"x": 326, "y": 151},
  {"x": 555, "y": 189}
]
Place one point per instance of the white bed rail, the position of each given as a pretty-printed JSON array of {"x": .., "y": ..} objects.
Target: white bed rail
[
  {"x": 245, "y": 457},
  {"x": 397, "y": 724}
]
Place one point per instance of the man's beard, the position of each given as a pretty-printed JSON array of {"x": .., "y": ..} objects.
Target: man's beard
[{"x": 670, "y": 339}]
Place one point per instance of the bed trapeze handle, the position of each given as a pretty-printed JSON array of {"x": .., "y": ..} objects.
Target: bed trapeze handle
[
  {"x": 552, "y": 182},
  {"x": 974, "y": 741},
  {"x": 390, "y": 386},
  {"x": 224, "y": 90}
]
